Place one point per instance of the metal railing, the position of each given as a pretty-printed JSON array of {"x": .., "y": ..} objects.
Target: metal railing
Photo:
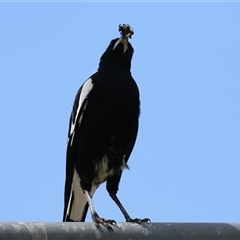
[{"x": 83, "y": 230}]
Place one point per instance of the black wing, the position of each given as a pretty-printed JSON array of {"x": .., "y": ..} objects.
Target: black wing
[{"x": 79, "y": 107}]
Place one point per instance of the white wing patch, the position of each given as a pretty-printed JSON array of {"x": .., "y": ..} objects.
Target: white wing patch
[{"x": 86, "y": 88}]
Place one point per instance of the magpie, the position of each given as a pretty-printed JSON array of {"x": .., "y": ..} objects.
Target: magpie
[{"x": 102, "y": 132}]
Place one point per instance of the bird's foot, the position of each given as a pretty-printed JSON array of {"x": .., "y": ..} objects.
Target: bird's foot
[
  {"x": 105, "y": 222},
  {"x": 138, "y": 220}
]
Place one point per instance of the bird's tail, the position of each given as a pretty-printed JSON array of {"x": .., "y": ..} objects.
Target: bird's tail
[{"x": 76, "y": 205}]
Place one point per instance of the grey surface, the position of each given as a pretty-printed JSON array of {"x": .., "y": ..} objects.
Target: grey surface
[{"x": 163, "y": 231}]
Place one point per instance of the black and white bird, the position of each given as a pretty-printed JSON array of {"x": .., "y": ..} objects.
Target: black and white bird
[{"x": 102, "y": 132}]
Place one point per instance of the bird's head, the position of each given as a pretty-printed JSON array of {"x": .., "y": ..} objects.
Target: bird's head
[{"x": 119, "y": 51}]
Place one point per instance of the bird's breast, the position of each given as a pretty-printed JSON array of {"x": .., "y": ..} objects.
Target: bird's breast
[{"x": 104, "y": 169}]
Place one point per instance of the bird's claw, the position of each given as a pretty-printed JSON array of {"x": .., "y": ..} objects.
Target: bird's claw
[
  {"x": 138, "y": 220},
  {"x": 145, "y": 220},
  {"x": 105, "y": 222},
  {"x": 110, "y": 221}
]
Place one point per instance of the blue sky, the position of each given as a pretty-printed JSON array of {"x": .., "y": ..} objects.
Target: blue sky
[{"x": 186, "y": 162}]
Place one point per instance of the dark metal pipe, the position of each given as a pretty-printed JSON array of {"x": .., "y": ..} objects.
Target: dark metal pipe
[{"x": 83, "y": 230}]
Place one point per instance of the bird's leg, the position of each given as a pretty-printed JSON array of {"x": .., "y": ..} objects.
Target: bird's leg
[
  {"x": 96, "y": 219},
  {"x": 123, "y": 210}
]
